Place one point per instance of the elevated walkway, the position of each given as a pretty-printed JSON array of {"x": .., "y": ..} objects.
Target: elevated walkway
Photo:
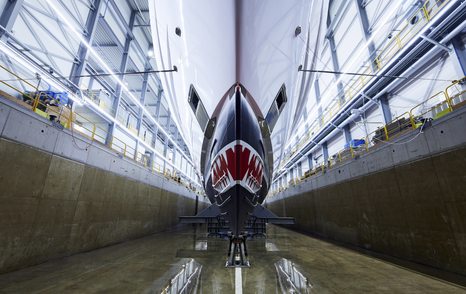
[
  {"x": 404, "y": 197},
  {"x": 63, "y": 193}
]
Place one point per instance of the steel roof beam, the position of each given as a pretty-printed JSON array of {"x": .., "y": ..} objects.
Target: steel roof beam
[{"x": 127, "y": 27}]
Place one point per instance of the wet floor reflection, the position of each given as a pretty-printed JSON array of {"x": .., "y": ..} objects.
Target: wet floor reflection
[
  {"x": 146, "y": 265},
  {"x": 290, "y": 278}
]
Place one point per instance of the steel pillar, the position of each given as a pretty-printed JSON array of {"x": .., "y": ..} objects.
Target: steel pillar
[
  {"x": 385, "y": 108},
  {"x": 124, "y": 61},
  {"x": 123, "y": 66},
  {"x": 309, "y": 161},
  {"x": 317, "y": 92},
  {"x": 367, "y": 30},
  {"x": 157, "y": 110},
  {"x": 142, "y": 99},
  {"x": 325, "y": 152},
  {"x": 347, "y": 133},
  {"x": 80, "y": 61},
  {"x": 9, "y": 15},
  {"x": 165, "y": 148},
  {"x": 336, "y": 66},
  {"x": 460, "y": 51}
]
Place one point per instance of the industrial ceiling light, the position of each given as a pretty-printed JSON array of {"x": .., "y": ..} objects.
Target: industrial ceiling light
[
  {"x": 150, "y": 52},
  {"x": 31, "y": 67},
  {"x": 92, "y": 104},
  {"x": 114, "y": 76},
  {"x": 394, "y": 59}
]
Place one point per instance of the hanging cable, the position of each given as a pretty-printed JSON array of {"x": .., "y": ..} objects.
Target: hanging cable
[
  {"x": 175, "y": 69},
  {"x": 300, "y": 68}
]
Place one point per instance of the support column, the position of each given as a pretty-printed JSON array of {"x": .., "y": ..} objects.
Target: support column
[
  {"x": 80, "y": 61},
  {"x": 366, "y": 28},
  {"x": 157, "y": 115},
  {"x": 325, "y": 152},
  {"x": 385, "y": 108},
  {"x": 9, "y": 15},
  {"x": 123, "y": 66},
  {"x": 309, "y": 161},
  {"x": 174, "y": 149},
  {"x": 460, "y": 51},
  {"x": 91, "y": 83},
  {"x": 317, "y": 92},
  {"x": 347, "y": 133},
  {"x": 165, "y": 149},
  {"x": 142, "y": 99},
  {"x": 157, "y": 110},
  {"x": 336, "y": 66}
]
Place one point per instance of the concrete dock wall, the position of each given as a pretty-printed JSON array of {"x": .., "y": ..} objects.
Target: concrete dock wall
[
  {"x": 57, "y": 199},
  {"x": 403, "y": 200}
]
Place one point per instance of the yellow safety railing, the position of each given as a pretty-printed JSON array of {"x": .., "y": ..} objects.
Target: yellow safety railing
[
  {"x": 41, "y": 104},
  {"x": 456, "y": 93},
  {"x": 404, "y": 34},
  {"x": 434, "y": 107}
]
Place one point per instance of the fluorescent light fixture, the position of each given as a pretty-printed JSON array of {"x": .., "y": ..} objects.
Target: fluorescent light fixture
[
  {"x": 114, "y": 76},
  {"x": 43, "y": 74},
  {"x": 91, "y": 103},
  {"x": 356, "y": 56},
  {"x": 27, "y": 65},
  {"x": 395, "y": 57}
]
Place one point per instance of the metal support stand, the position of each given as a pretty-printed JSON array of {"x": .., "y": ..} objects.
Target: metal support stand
[{"x": 237, "y": 253}]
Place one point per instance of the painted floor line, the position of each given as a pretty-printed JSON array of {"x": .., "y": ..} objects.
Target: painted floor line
[{"x": 238, "y": 281}]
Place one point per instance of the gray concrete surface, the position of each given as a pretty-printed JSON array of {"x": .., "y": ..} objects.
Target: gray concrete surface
[
  {"x": 405, "y": 199},
  {"x": 445, "y": 134},
  {"x": 414, "y": 211},
  {"x": 23, "y": 126},
  {"x": 61, "y": 193},
  {"x": 145, "y": 265},
  {"x": 51, "y": 206}
]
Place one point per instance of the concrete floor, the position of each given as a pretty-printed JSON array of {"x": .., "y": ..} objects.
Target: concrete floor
[{"x": 145, "y": 266}]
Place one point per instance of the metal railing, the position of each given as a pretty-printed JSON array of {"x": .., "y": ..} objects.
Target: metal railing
[
  {"x": 434, "y": 107},
  {"x": 404, "y": 34},
  {"x": 46, "y": 106},
  {"x": 185, "y": 281},
  {"x": 291, "y": 280}
]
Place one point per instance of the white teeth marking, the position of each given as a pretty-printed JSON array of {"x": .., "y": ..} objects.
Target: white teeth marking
[
  {"x": 225, "y": 178},
  {"x": 250, "y": 154}
]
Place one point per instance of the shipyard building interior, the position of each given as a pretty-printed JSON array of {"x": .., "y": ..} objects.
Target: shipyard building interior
[{"x": 175, "y": 146}]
